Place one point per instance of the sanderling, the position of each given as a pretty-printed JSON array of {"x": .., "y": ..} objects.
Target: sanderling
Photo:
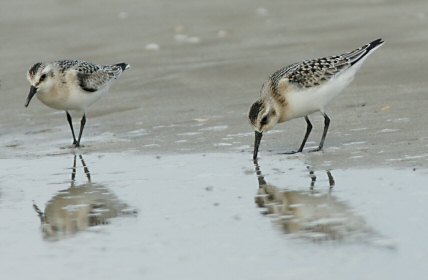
[
  {"x": 71, "y": 85},
  {"x": 303, "y": 88}
]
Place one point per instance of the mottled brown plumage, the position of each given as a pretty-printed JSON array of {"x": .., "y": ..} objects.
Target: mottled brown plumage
[{"x": 303, "y": 88}]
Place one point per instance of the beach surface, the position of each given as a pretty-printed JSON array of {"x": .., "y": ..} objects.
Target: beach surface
[{"x": 169, "y": 149}]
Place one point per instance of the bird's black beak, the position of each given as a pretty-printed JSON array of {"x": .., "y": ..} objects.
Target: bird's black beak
[
  {"x": 257, "y": 140},
  {"x": 33, "y": 91}
]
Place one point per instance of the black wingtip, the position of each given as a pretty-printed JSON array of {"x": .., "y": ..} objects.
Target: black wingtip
[
  {"x": 358, "y": 54},
  {"x": 123, "y": 65},
  {"x": 375, "y": 43}
]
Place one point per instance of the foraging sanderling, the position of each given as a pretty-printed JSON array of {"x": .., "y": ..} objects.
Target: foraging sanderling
[
  {"x": 71, "y": 85},
  {"x": 303, "y": 88}
]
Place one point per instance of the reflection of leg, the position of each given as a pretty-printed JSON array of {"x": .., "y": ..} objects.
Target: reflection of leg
[
  {"x": 82, "y": 125},
  {"x": 85, "y": 168},
  {"x": 73, "y": 171},
  {"x": 313, "y": 179},
  {"x": 71, "y": 126},
  {"x": 330, "y": 179},
  {"x": 39, "y": 212}
]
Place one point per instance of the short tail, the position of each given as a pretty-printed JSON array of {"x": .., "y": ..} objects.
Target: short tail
[
  {"x": 362, "y": 52},
  {"x": 123, "y": 65}
]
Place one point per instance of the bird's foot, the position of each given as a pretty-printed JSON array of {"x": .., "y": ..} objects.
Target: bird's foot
[
  {"x": 290, "y": 153},
  {"x": 77, "y": 145},
  {"x": 315, "y": 150}
]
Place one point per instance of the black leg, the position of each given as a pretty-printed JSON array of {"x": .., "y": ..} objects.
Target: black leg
[
  {"x": 71, "y": 126},
  {"x": 324, "y": 134},
  {"x": 308, "y": 131},
  {"x": 82, "y": 125}
]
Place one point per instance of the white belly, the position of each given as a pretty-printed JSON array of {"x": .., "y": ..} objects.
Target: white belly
[
  {"x": 307, "y": 101},
  {"x": 70, "y": 100},
  {"x": 80, "y": 100}
]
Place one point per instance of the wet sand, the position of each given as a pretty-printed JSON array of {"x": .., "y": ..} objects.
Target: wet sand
[
  {"x": 172, "y": 141},
  {"x": 193, "y": 94}
]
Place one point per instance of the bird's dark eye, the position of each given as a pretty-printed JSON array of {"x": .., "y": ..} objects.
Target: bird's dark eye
[
  {"x": 264, "y": 120},
  {"x": 42, "y": 78}
]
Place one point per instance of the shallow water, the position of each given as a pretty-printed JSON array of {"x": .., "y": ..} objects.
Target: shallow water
[
  {"x": 192, "y": 94},
  {"x": 198, "y": 215}
]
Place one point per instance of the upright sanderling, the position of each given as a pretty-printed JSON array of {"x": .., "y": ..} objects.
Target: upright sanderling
[
  {"x": 303, "y": 88},
  {"x": 71, "y": 85}
]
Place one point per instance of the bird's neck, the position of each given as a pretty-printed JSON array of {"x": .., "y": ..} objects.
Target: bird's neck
[{"x": 280, "y": 106}]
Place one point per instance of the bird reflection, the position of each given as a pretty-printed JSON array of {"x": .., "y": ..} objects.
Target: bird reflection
[
  {"x": 80, "y": 207},
  {"x": 313, "y": 214}
]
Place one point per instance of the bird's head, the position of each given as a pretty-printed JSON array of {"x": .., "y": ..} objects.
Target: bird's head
[
  {"x": 262, "y": 117},
  {"x": 40, "y": 77}
]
